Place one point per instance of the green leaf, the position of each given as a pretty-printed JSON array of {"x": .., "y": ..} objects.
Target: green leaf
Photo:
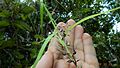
[
  {"x": 28, "y": 9},
  {"x": 22, "y": 26},
  {"x": 1, "y": 35},
  {"x": 35, "y": 43},
  {"x": 4, "y": 23},
  {"x": 85, "y": 10},
  {"x": 1, "y": 42},
  {"x": 43, "y": 49},
  {"x": 8, "y": 43},
  {"x": 24, "y": 17},
  {"x": 4, "y": 13},
  {"x": 18, "y": 65},
  {"x": 33, "y": 53},
  {"x": 38, "y": 37},
  {"x": 91, "y": 16},
  {"x": 50, "y": 16},
  {"x": 19, "y": 55},
  {"x": 41, "y": 15}
]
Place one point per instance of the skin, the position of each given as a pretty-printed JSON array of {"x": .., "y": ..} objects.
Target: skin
[{"x": 79, "y": 41}]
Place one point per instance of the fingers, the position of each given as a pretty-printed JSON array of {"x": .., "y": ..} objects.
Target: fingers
[
  {"x": 78, "y": 44},
  {"x": 89, "y": 50},
  {"x": 70, "y": 37},
  {"x": 88, "y": 44},
  {"x": 54, "y": 44},
  {"x": 78, "y": 41},
  {"x": 47, "y": 58},
  {"x": 61, "y": 27}
]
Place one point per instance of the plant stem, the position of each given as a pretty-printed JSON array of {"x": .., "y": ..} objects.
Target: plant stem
[{"x": 41, "y": 15}]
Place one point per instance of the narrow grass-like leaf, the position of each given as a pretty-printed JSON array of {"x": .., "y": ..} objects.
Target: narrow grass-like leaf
[
  {"x": 89, "y": 17},
  {"x": 41, "y": 15},
  {"x": 22, "y": 25},
  {"x": 4, "y": 23},
  {"x": 42, "y": 50},
  {"x": 50, "y": 16},
  {"x": 48, "y": 38}
]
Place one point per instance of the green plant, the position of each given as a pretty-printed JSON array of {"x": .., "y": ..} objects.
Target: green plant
[{"x": 60, "y": 40}]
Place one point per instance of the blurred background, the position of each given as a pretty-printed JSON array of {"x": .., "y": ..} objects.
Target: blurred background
[{"x": 21, "y": 36}]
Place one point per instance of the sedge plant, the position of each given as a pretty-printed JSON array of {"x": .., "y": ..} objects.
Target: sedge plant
[{"x": 56, "y": 32}]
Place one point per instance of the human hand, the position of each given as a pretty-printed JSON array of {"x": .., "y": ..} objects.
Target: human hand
[{"x": 80, "y": 42}]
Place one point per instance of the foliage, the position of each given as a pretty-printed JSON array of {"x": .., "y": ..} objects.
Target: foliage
[
  {"x": 23, "y": 30},
  {"x": 18, "y": 26}
]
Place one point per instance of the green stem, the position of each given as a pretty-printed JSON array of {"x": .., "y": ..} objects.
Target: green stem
[
  {"x": 50, "y": 16},
  {"x": 42, "y": 49},
  {"x": 41, "y": 15}
]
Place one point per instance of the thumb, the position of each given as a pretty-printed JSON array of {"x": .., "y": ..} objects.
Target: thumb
[
  {"x": 51, "y": 54},
  {"x": 46, "y": 58}
]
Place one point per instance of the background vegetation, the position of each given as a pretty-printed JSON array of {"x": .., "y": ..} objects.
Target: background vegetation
[{"x": 22, "y": 32}]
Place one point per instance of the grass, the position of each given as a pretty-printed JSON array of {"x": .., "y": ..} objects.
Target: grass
[
  {"x": 42, "y": 50},
  {"x": 41, "y": 15}
]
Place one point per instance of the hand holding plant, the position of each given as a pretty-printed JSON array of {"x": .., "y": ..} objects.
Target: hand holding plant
[{"x": 77, "y": 41}]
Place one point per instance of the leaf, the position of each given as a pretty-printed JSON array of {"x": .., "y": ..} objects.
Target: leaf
[
  {"x": 50, "y": 16},
  {"x": 43, "y": 49},
  {"x": 41, "y": 15},
  {"x": 24, "y": 17},
  {"x": 22, "y": 26},
  {"x": 18, "y": 55},
  {"x": 89, "y": 17},
  {"x": 27, "y": 9},
  {"x": 85, "y": 10},
  {"x": 8, "y": 43},
  {"x": 33, "y": 53},
  {"x": 4, "y": 23},
  {"x": 38, "y": 37},
  {"x": 18, "y": 65},
  {"x": 35, "y": 43},
  {"x": 4, "y": 13},
  {"x": 1, "y": 35},
  {"x": 1, "y": 42}
]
